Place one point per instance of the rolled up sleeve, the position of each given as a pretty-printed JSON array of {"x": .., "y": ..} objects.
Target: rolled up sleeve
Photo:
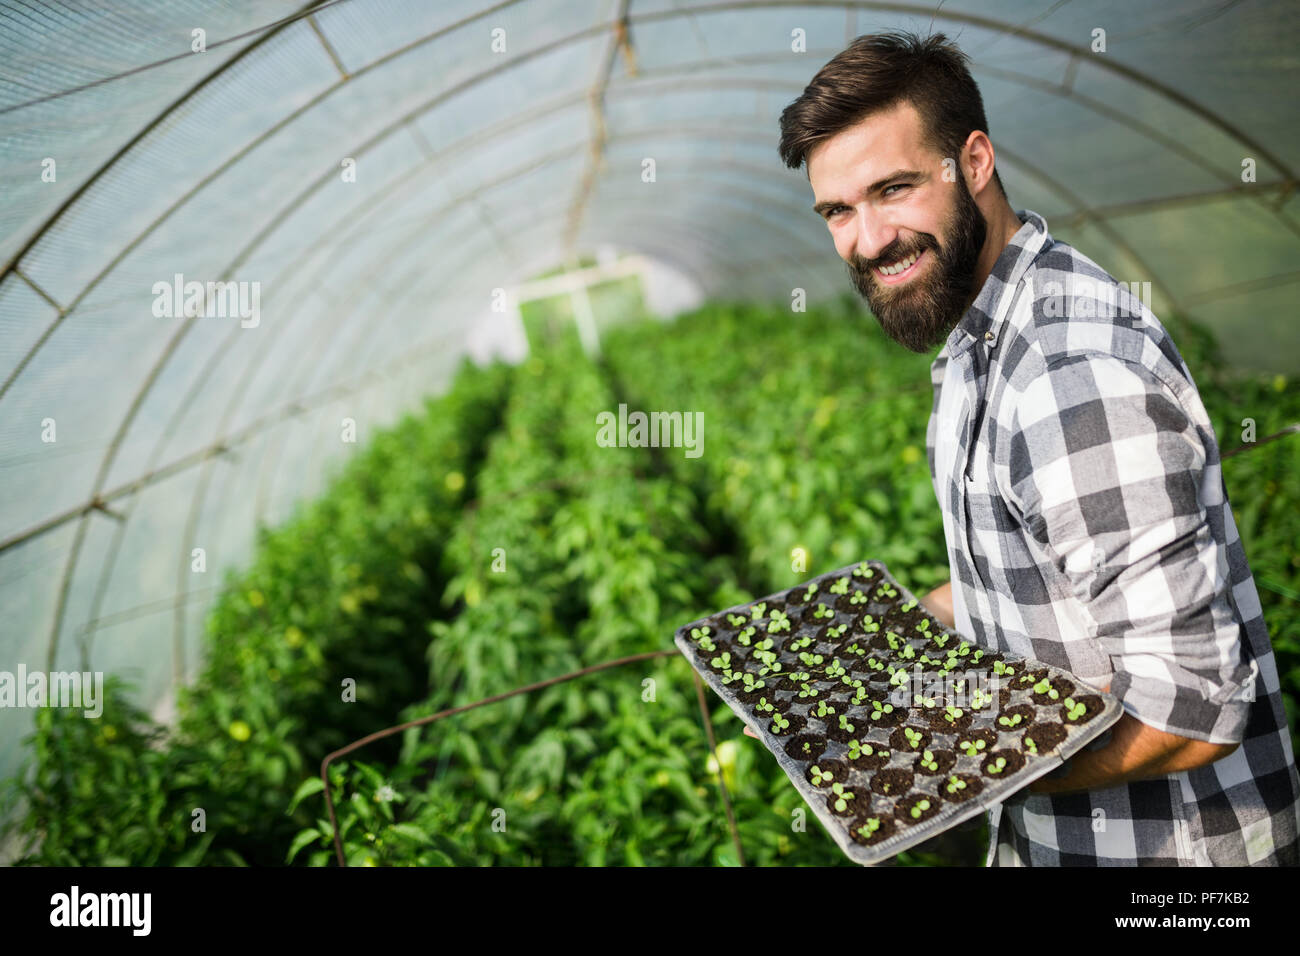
[{"x": 1106, "y": 470}]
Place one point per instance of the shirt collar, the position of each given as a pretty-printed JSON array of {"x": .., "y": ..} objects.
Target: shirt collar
[{"x": 988, "y": 312}]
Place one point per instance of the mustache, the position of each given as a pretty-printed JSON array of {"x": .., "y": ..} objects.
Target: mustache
[{"x": 893, "y": 253}]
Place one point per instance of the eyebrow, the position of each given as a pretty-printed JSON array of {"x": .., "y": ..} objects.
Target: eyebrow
[{"x": 912, "y": 176}]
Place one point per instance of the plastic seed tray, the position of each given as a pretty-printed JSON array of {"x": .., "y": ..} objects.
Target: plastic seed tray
[{"x": 892, "y": 727}]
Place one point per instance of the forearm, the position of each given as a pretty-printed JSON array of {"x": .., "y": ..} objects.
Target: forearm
[
  {"x": 939, "y": 603},
  {"x": 1135, "y": 751}
]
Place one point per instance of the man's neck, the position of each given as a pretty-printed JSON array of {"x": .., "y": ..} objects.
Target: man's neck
[{"x": 1002, "y": 226}]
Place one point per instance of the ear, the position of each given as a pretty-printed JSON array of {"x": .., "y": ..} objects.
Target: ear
[{"x": 978, "y": 161}]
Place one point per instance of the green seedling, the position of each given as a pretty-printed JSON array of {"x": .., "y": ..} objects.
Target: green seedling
[
  {"x": 758, "y": 610},
  {"x": 842, "y": 797},
  {"x": 809, "y": 659},
  {"x": 998, "y": 765},
  {"x": 1002, "y": 669},
  {"x": 722, "y": 661},
  {"x": 808, "y": 595},
  {"x": 1031, "y": 746},
  {"x": 879, "y": 710},
  {"x": 736, "y": 620},
  {"x": 822, "y": 613},
  {"x": 919, "y": 700},
  {"x": 858, "y": 598},
  {"x": 856, "y": 649},
  {"x": 1073, "y": 709},
  {"x": 1044, "y": 686},
  {"x": 820, "y": 778},
  {"x": 908, "y": 606},
  {"x": 869, "y": 826},
  {"x": 919, "y": 808},
  {"x": 753, "y": 683},
  {"x": 765, "y": 706},
  {"x": 836, "y": 631},
  {"x": 1013, "y": 720},
  {"x": 845, "y": 725},
  {"x": 972, "y": 747},
  {"x": 953, "y": 714},
  {"x": 860, "y": 748},
  {"x": 886, "y": 591},
  {"x": 747, "y": 635},
  {"x": 822, "y": 710},
  {"x": 834, "y": 669},
  {"x": 928, "y": 761},
  {"x": 807, "y": 690},
  {"x": 862, "y": 571},
  {"x": 778, "y": 622},
  {"x": 799, "y": 643},
  {"x": 841, "y": 586},
  {"x": 955, "y": 783},
  {"x": 913, "y": 737},
  {"x": 779, "y": 723}
]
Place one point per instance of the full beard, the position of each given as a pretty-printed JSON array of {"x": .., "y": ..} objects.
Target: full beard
[{"x": 920, "y": 313}]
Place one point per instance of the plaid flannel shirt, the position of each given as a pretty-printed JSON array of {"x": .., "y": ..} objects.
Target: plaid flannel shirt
[{"x": 1088, "y": 527}]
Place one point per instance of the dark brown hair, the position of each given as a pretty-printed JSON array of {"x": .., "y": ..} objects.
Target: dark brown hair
[{"x": 877, "y": 72}]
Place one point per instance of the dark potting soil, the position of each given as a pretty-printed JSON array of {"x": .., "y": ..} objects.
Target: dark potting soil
[
  {"x": 850, "y": 805},
  {"x": 795, "y": 747},
  {"x": 838, "y": 770},
  {"x": 891, "y": 781},
  {"x": 899, "y": 740},
  {"x": 872, "y": 761},
  {"x": 1006, "y": 722},
  {"x": 925, "y": 806},
  {"x": 881, "y": 826},
  {"x": 1093, "y": 705},
  {"x": 939, "y": 720},
  {"x": 1047, "y": 736},
  {"x": 978, "y": 735},
  {"x": 960, "y": 794},
  {"x": 1061, "y": 686},
  {"x": 1014, "y": 762},
  {"x": 943, "y": 761}
]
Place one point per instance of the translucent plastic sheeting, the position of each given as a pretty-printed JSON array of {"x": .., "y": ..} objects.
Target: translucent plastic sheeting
[{"x": 377, "y": 169}]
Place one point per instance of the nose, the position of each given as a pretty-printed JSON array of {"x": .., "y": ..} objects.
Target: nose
[{"x": 873, "y": 235}]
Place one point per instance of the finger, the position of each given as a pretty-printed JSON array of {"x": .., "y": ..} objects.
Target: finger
[{"x": 750, "y": 733}]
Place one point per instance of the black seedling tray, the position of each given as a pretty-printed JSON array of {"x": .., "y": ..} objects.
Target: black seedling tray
[{"x": 873, "y": 635}]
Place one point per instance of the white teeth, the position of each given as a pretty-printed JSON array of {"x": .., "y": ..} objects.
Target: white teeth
[{"x": 902, "y": 266}]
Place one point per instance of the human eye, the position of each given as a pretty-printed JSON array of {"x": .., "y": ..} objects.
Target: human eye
[
  {"x": 886, "y": 190},
  {"x": 834, "y": 211}
]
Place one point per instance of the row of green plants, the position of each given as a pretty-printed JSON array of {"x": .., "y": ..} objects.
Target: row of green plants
[
  {"x": 344, "y": 590},
  {"x": 815, "y": 448},
  {"x": 603, "y": 555}
]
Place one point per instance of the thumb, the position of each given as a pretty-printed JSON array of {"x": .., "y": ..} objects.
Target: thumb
[{"x": 750, "y": 733}]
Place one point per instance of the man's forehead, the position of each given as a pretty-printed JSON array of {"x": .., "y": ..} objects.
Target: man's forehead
[{"x": 880, "y": 142}]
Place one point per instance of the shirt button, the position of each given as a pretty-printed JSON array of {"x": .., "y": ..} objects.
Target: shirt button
[{"x": 988, "y": 336}]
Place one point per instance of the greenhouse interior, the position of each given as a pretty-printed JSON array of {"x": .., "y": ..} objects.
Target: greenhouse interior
[{"x": 265, "y": 525}]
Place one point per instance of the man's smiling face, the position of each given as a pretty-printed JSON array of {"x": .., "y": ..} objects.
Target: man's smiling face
[{"x": 911, "y": 239}]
